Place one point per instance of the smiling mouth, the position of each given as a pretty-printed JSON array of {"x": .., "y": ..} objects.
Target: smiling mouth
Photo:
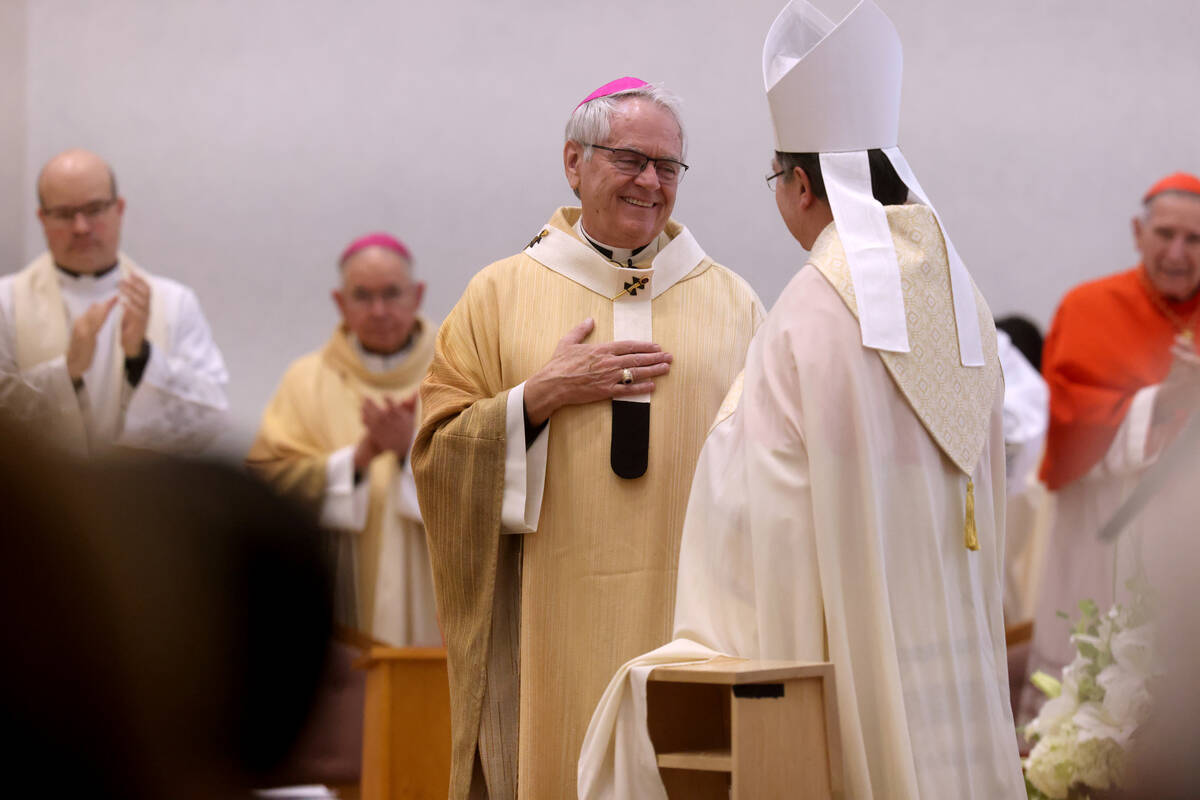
[{"x": 633, "y": 201}]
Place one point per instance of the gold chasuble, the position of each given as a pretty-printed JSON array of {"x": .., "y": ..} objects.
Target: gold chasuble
[
  {"x": 536, "y": 623},
  {"x": 316, "y": 411}
]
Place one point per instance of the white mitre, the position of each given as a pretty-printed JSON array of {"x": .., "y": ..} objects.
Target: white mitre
[{"x": 835, "y": 90}]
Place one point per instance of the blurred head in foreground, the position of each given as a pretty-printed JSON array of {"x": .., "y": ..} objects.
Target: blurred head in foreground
[{"x": 165, "y": 624}]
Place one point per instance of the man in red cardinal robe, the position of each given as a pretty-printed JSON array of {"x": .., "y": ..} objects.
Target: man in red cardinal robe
[{"x": 1124, "y": 375}]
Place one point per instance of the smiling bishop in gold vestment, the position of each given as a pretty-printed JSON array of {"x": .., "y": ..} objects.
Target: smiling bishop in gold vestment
[{"x": 553, "y": 469}]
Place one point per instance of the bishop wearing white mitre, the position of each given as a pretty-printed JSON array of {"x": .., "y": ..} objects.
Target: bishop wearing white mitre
[{"x": 848, "y": 505}]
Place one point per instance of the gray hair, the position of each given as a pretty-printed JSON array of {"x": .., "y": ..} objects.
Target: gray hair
[
  {"x": 1148, "y": 203},
  {"x": 591, "y": 122}
]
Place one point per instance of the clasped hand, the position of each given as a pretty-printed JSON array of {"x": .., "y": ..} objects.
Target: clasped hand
[
  {"x": 389, "y": 426},
  {"x": 580, "y": 373}
]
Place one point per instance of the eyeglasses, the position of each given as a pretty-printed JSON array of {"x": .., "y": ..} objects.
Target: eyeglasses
[
  {"x": 771, "y": 179},
  {"x": 631, "y": 162},
  {"x": 389, "y": 295},
  {"x": 90, "y": 210}
]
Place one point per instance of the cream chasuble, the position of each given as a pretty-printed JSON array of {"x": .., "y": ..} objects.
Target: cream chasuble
[
  {"x": 826, "y": 522},
  {"x": 384, "y": 581},
  {"x": 592, "y": 582}
]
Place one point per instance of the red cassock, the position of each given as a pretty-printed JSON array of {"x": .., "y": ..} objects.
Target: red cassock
[{"x": 1108, "y": 340}]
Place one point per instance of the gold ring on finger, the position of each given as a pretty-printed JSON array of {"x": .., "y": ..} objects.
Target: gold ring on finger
[{"x": 626, "y": 376}]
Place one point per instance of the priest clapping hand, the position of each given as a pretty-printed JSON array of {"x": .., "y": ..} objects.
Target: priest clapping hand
[
  {"x": 135, "y": 305},
  {"x": 154, "y": 377},
  {"x": 82, "y": 348},
  {"x": 580, "y": 373}
]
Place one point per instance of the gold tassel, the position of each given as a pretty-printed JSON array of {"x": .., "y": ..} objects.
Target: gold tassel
[{"x": 972, "y": 538}]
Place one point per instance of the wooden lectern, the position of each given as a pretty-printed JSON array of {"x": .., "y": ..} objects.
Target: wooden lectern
[
  {"x": 406, "y": 725},
  {"x": 737, "y": 729}
]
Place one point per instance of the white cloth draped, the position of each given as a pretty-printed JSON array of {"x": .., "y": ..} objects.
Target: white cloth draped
[{"x": 617, "y": 760}]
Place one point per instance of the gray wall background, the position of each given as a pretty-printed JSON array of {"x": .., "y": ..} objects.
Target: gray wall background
[
  {"x": 13, "y": 81},
  {"x": 253, "y": 139}
]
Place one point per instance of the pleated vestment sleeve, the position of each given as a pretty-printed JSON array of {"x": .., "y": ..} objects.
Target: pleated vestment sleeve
[{"x": 458, "y": 462}]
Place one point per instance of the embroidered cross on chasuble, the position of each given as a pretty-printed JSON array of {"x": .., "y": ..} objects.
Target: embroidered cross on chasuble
[{"x": 632, "y": 291}]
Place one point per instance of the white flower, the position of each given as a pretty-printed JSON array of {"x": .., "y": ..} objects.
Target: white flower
[
  {"x": 1055, "y": 713},
  {"x": 1065, "y": 759},
  {"x": 1133, "y": 649},
  {"x": 1075, "y": 672},
  {"x": 1099, "y": 763},
  {"x": 1126, "y": 700},
  {"x": 1081, "y": 734},
  {"x": 1094, "y": 722},
  {"x": 1051, "y": 764}
]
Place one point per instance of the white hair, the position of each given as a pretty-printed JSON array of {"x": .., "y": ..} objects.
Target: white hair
[{"x": 591, "y": 122}]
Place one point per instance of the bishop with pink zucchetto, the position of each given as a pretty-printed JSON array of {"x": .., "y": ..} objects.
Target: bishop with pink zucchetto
[
  {"x": 570, "y": 391},
  {"x": 337, "y": 435}
]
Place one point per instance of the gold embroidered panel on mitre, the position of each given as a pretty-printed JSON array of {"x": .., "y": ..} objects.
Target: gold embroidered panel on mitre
[{"x": 953, "y": 402}]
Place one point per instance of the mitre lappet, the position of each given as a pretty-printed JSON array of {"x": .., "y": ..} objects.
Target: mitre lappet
[{"x": 834, "y": 90}]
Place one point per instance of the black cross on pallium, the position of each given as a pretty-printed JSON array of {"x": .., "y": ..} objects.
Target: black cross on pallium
[
  {"x": 637, "y": 283},
  {"x": 537, "y": 239}
]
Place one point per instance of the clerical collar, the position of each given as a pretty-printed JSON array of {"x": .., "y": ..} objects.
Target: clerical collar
[
  {"x": 97, "y": 275},
  {"x": 620, "y": 256},
  {"x": 377, "y": 363}
]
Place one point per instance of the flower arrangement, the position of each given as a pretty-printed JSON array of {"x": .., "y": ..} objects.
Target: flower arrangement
[{"x": 1083, "y": 730}]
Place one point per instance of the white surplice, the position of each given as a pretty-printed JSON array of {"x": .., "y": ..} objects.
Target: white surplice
[
  {"x": 825, "y": 523},
  {"x": 180, "y": 403},
  {"x": 1026, "y": 414}
]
